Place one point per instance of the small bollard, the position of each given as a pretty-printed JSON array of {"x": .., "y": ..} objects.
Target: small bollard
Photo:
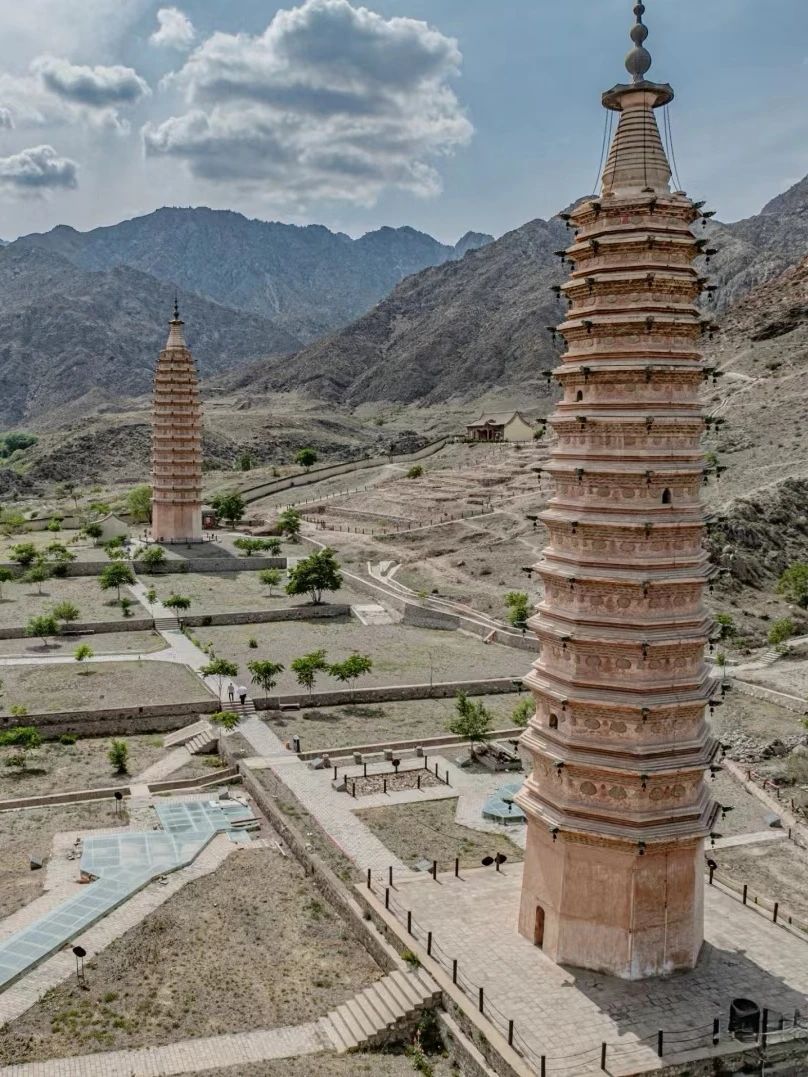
[
  {"x": 603, "y": 1056},
  {"x": 370, "y": 887},
  {"x": 712, "y": 872},
  {"x": 390, "y": 875},
  {"x": 429, "y": 944},
  {"x": 774, "y": 914},
  {"x": 660, "y": 1042},
  {"x": 364, "y": 770},
  {"x": 510, "y": 1033},
  {"x": 335, "y": 773},
  {"x": 418, "y": 783},
  {"x": 435, "y": 870},
  {"x": 716, "y": 1031},
  {"x": 764, "y": 1028},
  {"x": 457, "y": 867},
  {"x": 384, "y": 785},
  {"x": 745, "y": 890},
  {"x": 543, "y": 1071},
  {"x": 387, "y": 897},
  {"x": 353, "y": 790},
  {"x": 481, "y": 1000},
  {"x": 436, "y": 772},
  {"x": 409, "y": 921},
  {"x": 454, "y": 970}
]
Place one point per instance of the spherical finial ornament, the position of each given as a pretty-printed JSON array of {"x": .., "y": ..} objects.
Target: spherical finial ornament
[{"x": 638, "y": 60}]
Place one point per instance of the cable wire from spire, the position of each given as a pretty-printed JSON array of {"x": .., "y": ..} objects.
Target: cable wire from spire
[
  {"x": 607, "y": 135},
  {"x": 672, "y": 151}
]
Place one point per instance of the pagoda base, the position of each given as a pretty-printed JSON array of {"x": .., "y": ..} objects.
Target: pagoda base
[
  {"x": 176, "y": 523},
  {"x": 600, "y": 905}
]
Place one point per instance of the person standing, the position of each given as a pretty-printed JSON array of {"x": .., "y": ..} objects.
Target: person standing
[
  {"x": 231, "y": 692},
  {"x": 242, "y": 694}
]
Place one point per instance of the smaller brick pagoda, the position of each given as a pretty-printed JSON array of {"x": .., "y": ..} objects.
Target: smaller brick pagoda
[{"x": 176, "y": 442}]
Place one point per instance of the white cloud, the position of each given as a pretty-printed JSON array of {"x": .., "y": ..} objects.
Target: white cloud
[
  {"x": 331, "y": 101},
  {"x": 6, "y": 119},
  {"x": 175, "y": 30},
  {"x": 92, "y": 87},
  {"x": 37, "y": 169}
]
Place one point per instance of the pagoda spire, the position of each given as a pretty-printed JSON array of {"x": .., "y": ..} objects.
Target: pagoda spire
[
  {"x": 638, "y": 61},
  {"x": 176, "y": 338}
]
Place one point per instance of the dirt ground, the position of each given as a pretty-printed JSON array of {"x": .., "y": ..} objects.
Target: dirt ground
[
  {"x": 101, "y": 643},
  {"x": 777, "y": 871},
  {"x": 748, "y": 815},
  {"x": 229, "y": 592},
  {"x": 92, "y": 685},
  {"x": 401, "y": 654},
  {"x": 29, "y": 832},
  {"x": 56, "y": 767},
  {"x": 787, "y": 675},
  {"x": 254, "y": 945},
  {"x": 756, "y": 717},
  {"x": 374, "y": 1065},
  {"x": 342, "y": 727},
  {"x": 21, "y": 601},
  {"x": 429, "y": 832}
]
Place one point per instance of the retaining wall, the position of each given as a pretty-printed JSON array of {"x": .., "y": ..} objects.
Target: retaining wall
[
  {"x": 390, "y": 693},
  {"x": 287, "y": 613},
  {"x": 210, "y": 564},
  {"x": 782, "y": 699},
  {"x": 447, "y": 741},
  {"x": 124, "y": 624},
  {"x": 154, "y": 718}
]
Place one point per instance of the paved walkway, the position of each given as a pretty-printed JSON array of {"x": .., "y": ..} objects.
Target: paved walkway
[
  {"x": 187, "y": 1056},
  {"x": 164, "y": 767}
]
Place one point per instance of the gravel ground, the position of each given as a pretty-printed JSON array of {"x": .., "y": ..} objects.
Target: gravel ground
[
  {"x": 101, "y": 643},
  {"x": 29, "y": 832},
  {"x": 787, "y": 675},
  {"x": 396, "y": 783},
  {"x": 57, "y": 768},
  {"x": 342, "y": 727},
  {"x": 748, "y": 815},
  {"x": 777, "y": 871},
  {"x": 21, "y": 601},
  {"x": 429, "y": 832},
  {"x": 93, "y": 685},
  {"x": 254, "y": 945},
  {"x": 756, "y": 717},
  {"x": 401, "y": 654},
  {"x": 232, "y": 591}
]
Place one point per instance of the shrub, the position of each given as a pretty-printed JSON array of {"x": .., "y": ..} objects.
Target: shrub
[
  {"x": 118, "y": 755},
  {"x": 54, "y": 524},
  {"x": 726, "y": 625},
  {"x": 781, "y": 631},
  {"x": 83, "y": 652},
  {"x": 226, "y": 719},
  {"x": 517, "y": 603},
  {"x": 68, "y": 738},
  {"x": 306, "y": 458},
  {"x": 153, "y": 557},
  {"x": 415, "y": 472},
  {"x": 24, "y": 553},
  {"x": 270, "y": 577},
  {"x": 18, "y": 710},
  {"x": 793, "y": 584},
  {"x": 20, "y": 736},
  {"x": 252, "y": 643},
  {"x": 523, "y": 711}
]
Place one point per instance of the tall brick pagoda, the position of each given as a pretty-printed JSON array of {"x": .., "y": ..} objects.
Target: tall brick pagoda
[
  {"x": 617, "y": 804},
  {"x": 176, "y": 443}
]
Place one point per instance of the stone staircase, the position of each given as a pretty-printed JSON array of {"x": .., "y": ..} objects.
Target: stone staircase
[
  {"x": 166, "y": 624},
  {"x": 382, "y": 1013},
  {"x": 243, "y": 710},
  {"x": 203, "y": 741},
  {"x": 187, "y": 733}
]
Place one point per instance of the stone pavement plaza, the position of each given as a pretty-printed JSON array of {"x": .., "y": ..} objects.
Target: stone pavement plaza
[{"x": 567, "y": 1013}]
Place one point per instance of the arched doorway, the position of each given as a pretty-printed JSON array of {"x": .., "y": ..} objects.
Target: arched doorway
[{"x": 538, "y": 930}]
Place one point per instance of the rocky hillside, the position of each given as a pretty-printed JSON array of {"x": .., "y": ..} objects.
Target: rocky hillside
[
  {"x": 72, "y": 340},
  {"x": 451, "y": 331},
  {"x": 306, "y": 280}
]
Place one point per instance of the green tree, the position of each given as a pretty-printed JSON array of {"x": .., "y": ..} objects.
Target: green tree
[
  {"x": 523, "y": 711},
  {"x": 66, "y": 612},
  {"x": 83, "y": 652},
  {"x": 289, "y": 523},
  {"x": 126, "y": 605},
  {"x": 100, "y": 508},
  {"x": 24, "y": 553},
  {"x": 415, "y": 472},
  {"x": 152, "y": 557},
  {"x": 272, "y": 546},
  {"x": 220, "y": 668},
  {"x": 307, "y": 667},
  {"x": 151, "y": 596},
  {"x": 516, "y": 601},
  {"x": 270, "y": 577},
  {"x": 94, "y": 531},
  {"x": 43, "y": 626},
  {"x": 228, "y": 720},
  {"x": 118, "y": 755},
  {"x": 249, "y": 546},
  {"x": 138, "y": 503},
  {"x": 781, "y": 631},
  {"x": 314, "y": 574},
  {"x": 245, "y": 462},
  {"x": 727, "y": 629},
  {"x": 60, "y": 557},
  {"x": 354, "y": 666},
  {"x": 115, "y": 574},
  {"x": 6, "y": 575},
  {"x": 306, "y": 458},
  {"x": 178, "y": 603},
  {"x": 38, "y": 573},
  {"x": 472, "y": 721},
  {"x": 229, "y": 506},
  {"x": 265, "y": 674},
  {"x": 793, "y": 584}
]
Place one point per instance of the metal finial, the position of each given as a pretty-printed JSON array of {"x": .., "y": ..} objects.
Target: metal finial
[
  {"x": 638, "y": 60},
  {"x": 176, "y": 308}
]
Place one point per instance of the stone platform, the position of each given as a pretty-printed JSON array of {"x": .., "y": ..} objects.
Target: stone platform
[{"x": 566, "y": 1014}]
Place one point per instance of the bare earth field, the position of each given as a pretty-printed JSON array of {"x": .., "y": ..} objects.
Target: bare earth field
[
  {"x": 101, "y": 643},
  {"x": 29, "y": 832},
  {"x": 787, "y": 675},
  {"x": 57, "y": 768},
  {"x": 232, "y": 592},
  {"x": 375, "y": 1065},
  {"x": 94, "y": 685},
  {"x": 251, "y": 946},
  {"x": 22, "y": 601},
  {"x": 341, "y": 727},
  {"x": 401, "y": 654},
  {"x": 774, "y": 870},
  {"x": 756, "y": 717},
  {"x": 748, "y": 815},
  {"x": 429, "y": 832}
]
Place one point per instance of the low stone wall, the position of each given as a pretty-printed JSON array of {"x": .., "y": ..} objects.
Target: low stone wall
[
  {"x": 114, "y": 722},
  {"x": 211, "y": 564},
  {"x": 448, "y": 741},
  {"x": 287, "y": 613},
  {"x": 125, "y": 624},
  {"x": 782, "y": 699},
  {"x": 390, "y": 694},
  {"x": 76, "y": 796}
]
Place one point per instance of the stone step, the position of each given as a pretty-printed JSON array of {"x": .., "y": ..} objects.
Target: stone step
[
  {"x": 373, "y": 1004},
  {"x": 370, "y": 1016},
  {"x": 182, "y": 736}
]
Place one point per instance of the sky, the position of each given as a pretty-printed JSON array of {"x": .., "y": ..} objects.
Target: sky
[{"x": 446, "y": 115}]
